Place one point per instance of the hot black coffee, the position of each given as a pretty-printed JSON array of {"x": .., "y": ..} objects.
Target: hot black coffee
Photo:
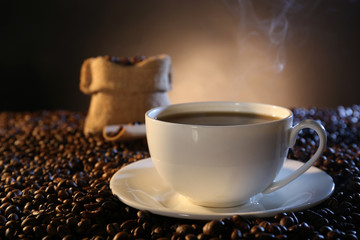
[{"x": 217, "y": 118}]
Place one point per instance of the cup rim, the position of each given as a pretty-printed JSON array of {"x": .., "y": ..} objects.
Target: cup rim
[{"x": 246, "y": 107}]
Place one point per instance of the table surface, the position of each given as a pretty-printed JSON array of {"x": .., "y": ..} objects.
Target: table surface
[{"x": 54, "y": 184}]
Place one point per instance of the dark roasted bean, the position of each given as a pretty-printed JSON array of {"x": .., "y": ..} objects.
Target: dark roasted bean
[
  {"x": 3, "y": 220},
  {"x": 143, "y": 216},
  {"x": 317, "y": 237},
  {"x": 214, "y": 228},
  {"x": 63, "y": 230},
  {"x": 83, "y": 225},
  {"x": 274, "y": 229},
  {"x": 236, "y": 234},
  {"x": 128, "y": 225},
  {"x": 39, "y": 231},
  {"x": 121, "y": 236},
  {"x": 264, "y": 236},
  {"x": 112, "y": 228},
  {"x": 184, "y": 229},
  {"x": 51, "y": 229},
  {"x": 256, "y": 229},
  {"x": 139, "y": 232},
  {"x": 287, "y": 221}
]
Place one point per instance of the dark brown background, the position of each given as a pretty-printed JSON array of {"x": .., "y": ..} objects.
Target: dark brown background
[{"x": 43, "y": 44}]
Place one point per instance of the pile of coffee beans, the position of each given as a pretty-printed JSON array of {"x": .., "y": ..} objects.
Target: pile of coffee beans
[
  {"x": 126, "y": 61},
  {"x": 54, "y": 184}
]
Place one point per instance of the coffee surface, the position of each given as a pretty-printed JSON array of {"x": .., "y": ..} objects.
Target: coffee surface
[{"x": 217, "y": 118}]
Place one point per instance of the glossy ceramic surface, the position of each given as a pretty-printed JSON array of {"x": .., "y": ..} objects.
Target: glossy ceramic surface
[
  {"x": 140, "y": 186},
  {"x": 203, "y": 162}
]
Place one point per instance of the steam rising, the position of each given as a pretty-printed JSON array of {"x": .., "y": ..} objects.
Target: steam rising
[
  {"x": 273, "y": 28},
  {"x": 251, "y": 64}
]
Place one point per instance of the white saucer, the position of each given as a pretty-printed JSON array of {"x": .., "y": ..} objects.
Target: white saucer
[{"x": 139, "y": 185}]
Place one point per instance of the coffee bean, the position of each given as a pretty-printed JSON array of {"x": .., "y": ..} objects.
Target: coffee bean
[
  {"x": 236, "y": 234},
  {"x": 143, "y": 216},
  {"x": 29, "y": 221},
  {"x": 63, "y": 194},
  {"x": 139, "y": 232},
  {"x": 10, "y": 233},
  {"x": 287, "y": 221},
  {"x": 51, "y": 229},
  {"x": 325, "y": 229},
  {"x": 121, "y": 236},
  {"x": 128, "y": 225},
  {"x": 13, "y": 216},
  {"x": 264, "y": 236},
  {"x": 39, "y": 231},
  {"x": 112, "y": 228},
  {"x": 3, "y": 220},
  {"x": 214, "y": 228},
  {"x": 12, "y": 209},
  {"x": 69, "y": 237},
  {"x": 318, "y": 237},
  {"x": 274, "y": 229},
  {"x": 83, "y": 225},
  {"x": 184, "y": 229},
  {"x": 190, "y": 237},
  {"x": 63, "y": 230},
  {"x": 28, "y": 230},
  {"x": 351, "y": 237},
  {"x": 202, "y": 236}
]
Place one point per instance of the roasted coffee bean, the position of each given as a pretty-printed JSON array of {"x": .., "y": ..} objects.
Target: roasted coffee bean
[
  {"x": 83, "y": 226},
  {"x": 128, "y": 225},
  {"x": 157, "y": 232},
  {"x": 3, "y": 220},
  {"x": 138, "y": 232},
  {"x": 274, "y": 229},
  {"x": 69, "y": 237},
  {"x": 325, "y": 229},
  {"x": 12, "y": 224},
  {"x": 121, "y": 236},
  {"x": 63, "y": 230},
  {"x": 51, "y": 229},
  {"x": 214, "y": 228},
  {"x": 143, "y": 216},
  {"x": 317, "y": 237},
  {"x": 351, "y": 237},
  {"x": 264, "y": 236},
  {"x": 287, "y": 221},
  {"x": 190, "y": 237},
  {"x": 10, "y": 233},
  {"x": 236, "y": 234},
  {"x": 202, "y": 236},
  {"x": 12, "y": 209},
  {"x": 39, "y": 231},
  {"x": 27, "y": 230},
  {"x": 112, "y": 228},
  {"x": 264, "y": 224},
  {"x": 256, "y": 229},
  {"x": 13, "y": 216},
  {"x": 335, "y": 234},
  {"x": 184, "y": 229}
]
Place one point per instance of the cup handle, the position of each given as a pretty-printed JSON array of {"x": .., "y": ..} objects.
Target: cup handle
[{"x": 320, "y": 130}]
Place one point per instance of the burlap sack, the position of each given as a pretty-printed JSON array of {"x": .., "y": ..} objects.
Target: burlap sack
[{"x": 121, "y": 94}]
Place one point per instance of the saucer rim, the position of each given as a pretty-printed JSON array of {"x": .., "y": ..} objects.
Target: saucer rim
[{"x": 168, "y": 212}]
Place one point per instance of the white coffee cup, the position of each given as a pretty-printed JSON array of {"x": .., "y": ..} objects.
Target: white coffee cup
[{"x": 224, "y": 166}]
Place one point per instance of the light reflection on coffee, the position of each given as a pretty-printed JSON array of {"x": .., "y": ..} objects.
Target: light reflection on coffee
[{"x": 217, "y": 118}]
